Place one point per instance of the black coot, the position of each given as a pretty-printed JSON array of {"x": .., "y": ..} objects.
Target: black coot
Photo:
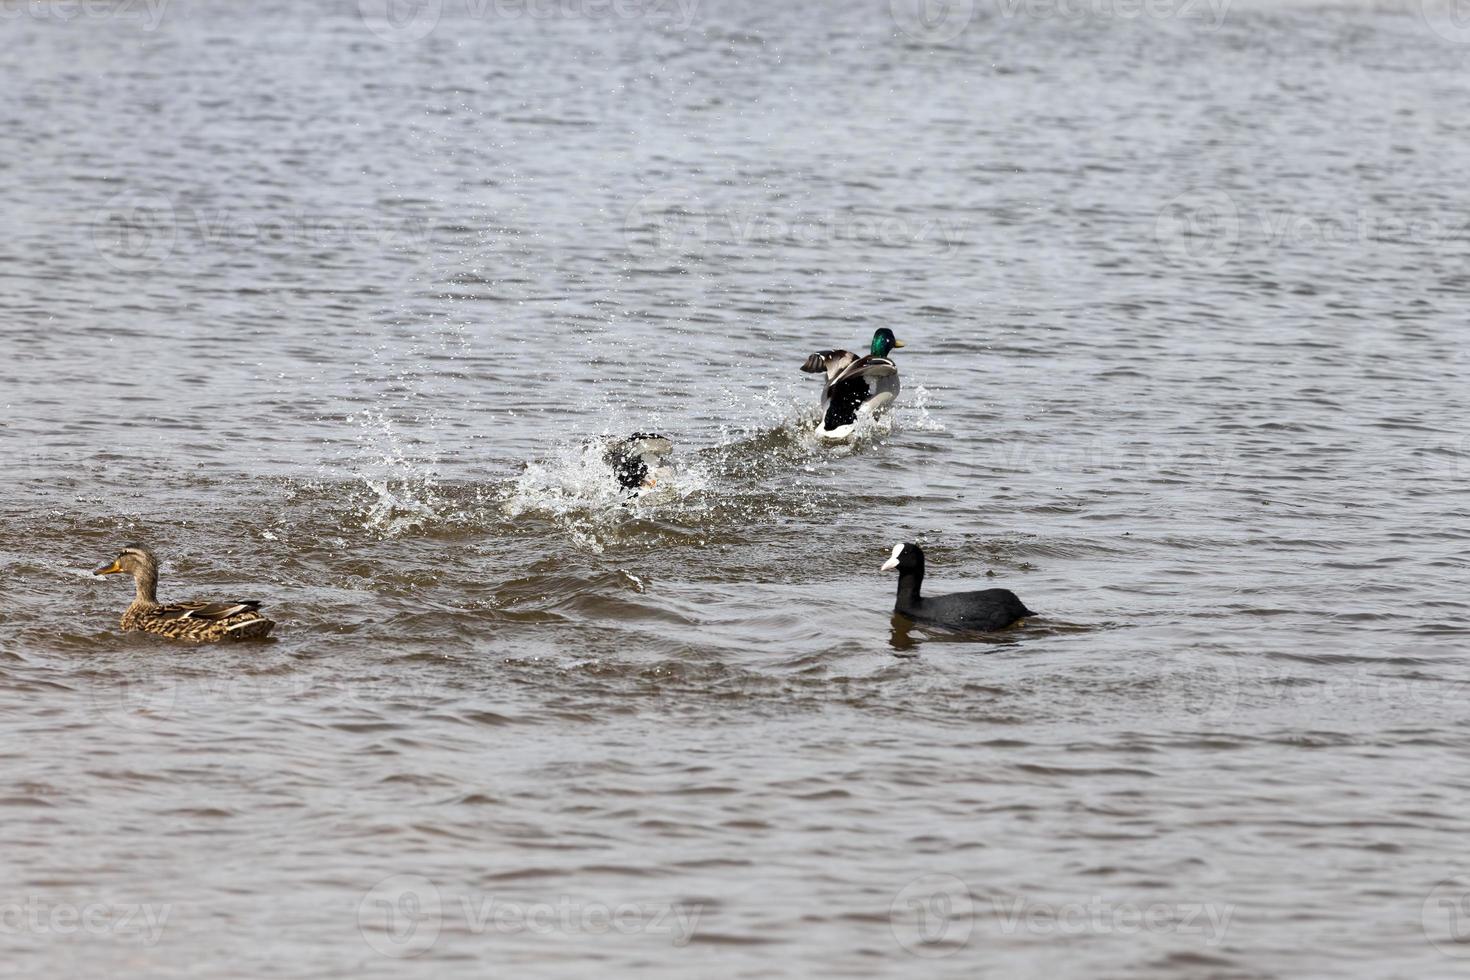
[{"x": 988, "y": 609}]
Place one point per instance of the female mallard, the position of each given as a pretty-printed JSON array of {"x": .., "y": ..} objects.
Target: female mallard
[
  {"x": 854, "y": 384},
  {"x": 198, "y": 622}
]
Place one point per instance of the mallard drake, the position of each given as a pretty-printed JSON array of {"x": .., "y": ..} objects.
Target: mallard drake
[
  {"x": 854, "y": 383},
  {"x": 988, "y": 609},
  {"x": 197, "y": 622},
  {"x": 637, "y": 461}
]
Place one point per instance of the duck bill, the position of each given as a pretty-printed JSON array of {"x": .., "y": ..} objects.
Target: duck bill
[
  {"x": 889, "y": 565},
  {"x": 112, "y": 569},
  {"x": 898, "y": 343}
]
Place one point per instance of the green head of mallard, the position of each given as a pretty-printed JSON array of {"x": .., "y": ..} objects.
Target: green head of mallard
[{"x": 883, "y": 342}]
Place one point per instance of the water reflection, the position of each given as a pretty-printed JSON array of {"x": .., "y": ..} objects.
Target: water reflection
[{"x": 906, "y": 636}]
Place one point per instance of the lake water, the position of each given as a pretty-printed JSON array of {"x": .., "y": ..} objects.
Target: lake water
[{"x": 323, "y": 300}]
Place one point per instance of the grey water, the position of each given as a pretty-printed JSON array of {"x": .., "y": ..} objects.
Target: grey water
[{"x": 323, "y": 301}]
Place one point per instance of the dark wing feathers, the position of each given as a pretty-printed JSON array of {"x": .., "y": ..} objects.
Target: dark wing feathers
[
  {"x": 824, "y": 361},
  {"x": 208, "y": 610}
]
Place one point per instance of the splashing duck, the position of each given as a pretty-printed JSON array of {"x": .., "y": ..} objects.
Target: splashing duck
[
  {"x": 638, "y": 461},
  {"x": 855, "y": 384}
]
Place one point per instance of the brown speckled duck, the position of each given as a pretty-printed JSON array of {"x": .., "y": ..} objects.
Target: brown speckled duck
[{"x": 196, "y": 622}]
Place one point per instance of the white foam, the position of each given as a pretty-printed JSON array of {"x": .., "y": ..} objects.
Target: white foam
[{"x": 577, "y": 479}]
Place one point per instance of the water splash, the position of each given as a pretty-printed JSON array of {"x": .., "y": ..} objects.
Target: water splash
[
  {"x": 575, "y": 486},
  {"x": 404, "y": 486},
  {"x": 914, "y": 414},
  {"x": 577, "y": 480}
]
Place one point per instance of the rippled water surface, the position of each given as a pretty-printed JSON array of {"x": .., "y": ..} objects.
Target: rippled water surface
[{"x": 324, "y": 306}]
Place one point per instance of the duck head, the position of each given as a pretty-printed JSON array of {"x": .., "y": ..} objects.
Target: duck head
[
  {"x": 134, "y": 559},
  {"x": 883, "y": 342},
  {"x": 141, "y": 564}
]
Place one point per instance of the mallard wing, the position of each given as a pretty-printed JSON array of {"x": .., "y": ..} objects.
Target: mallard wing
[
  {"x": 871, "y": 367},
  {"x": 830, "y": 362},
  {"x": 207, "y": 610}
]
